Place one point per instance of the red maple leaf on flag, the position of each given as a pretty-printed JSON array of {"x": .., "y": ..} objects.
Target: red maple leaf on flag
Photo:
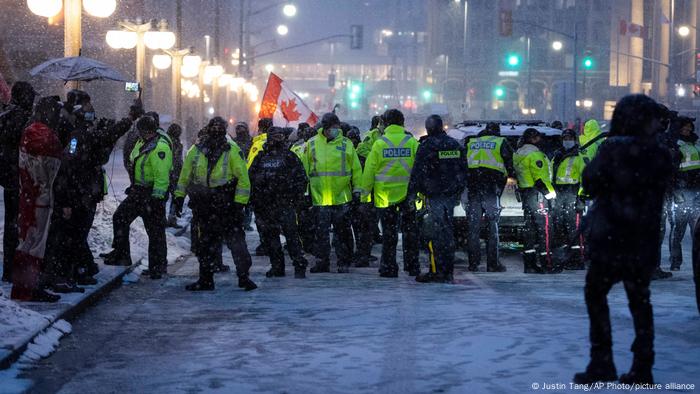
[{"x": 289, "y": 110}]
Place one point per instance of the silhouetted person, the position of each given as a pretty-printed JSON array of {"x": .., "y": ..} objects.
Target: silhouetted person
[{"x": 622, "y": 228}]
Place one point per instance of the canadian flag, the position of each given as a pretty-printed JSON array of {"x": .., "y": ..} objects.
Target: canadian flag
[
  {"x": 284, "y": 106},
  {"x": 633, "y": 29}
]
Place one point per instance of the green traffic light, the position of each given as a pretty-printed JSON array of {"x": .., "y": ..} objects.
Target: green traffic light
[
  {"x": 354, "y": 104},
  {"x": 499, "y": 92},
  {"x": 356, "y": 88},
  {"x": 587, "y": 62},
  {"x": 513, "y": 60},
  {"x": 427, "y": 94}
]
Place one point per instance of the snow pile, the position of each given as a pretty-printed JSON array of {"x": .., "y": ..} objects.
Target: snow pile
[
  {"x": 45, "y": 343},
  {"x": 16, "y": 322}
]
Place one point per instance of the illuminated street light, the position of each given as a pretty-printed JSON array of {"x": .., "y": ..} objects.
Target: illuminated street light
[
  {"x": 683, "y": 31},
  {"x": 587, "y": 103},
  {"x": 282, "y": 30},
  {"x": 100, "y": 8},
  {"x": 557, "y": 45},
  {"x": 161, "y": 62},
  {"x": 269, "y": 67},
  {"x": 289, "y": 10},
  {"x": 45, "y": 8},
  {"x": 680, "y": 91}
]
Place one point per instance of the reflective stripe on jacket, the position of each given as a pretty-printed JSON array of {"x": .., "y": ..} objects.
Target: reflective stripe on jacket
[
  {"x": 690, "y": 156},
  {"x": 531, "y": 165},
  {"x": 333, "y": 169},
  {"x": 485, "y": 152},
  {"x": 229, "y": 167},
  {"x": 151, "y": 163},
  {"x": 388, "y": 167},
  {"x": 569, "y": 170}
]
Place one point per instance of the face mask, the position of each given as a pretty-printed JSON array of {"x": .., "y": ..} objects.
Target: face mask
[
  {"x": 334, "y": 133},
  {"x": 569, "y": 144}
]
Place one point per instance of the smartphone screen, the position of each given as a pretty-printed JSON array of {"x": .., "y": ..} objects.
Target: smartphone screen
[{"x": 132, "y": 87}]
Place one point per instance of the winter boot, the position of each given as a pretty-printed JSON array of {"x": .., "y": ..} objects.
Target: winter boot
[
  {"x": 85, "y": 280},
  {"x": 549, "y": 266},
  {"x": 200, "y": 285},
  {"x": 44, "y": 296},
  {"x": 433, "y": 277},
  {"x": 601, "y": 368},
  {"x": 320, "y": 266},
  {"x": 660, "y": 274},
  {"x": 116, "y": 258},
  {"x": 245, "y": 283},
  {"x": 65, "y": 286},
  {"x": 496, "y": 268},
  {"x": 640, "y": 372},
  {"x": 676, "y": 266},
  {"x": 172, "y": 221},
  {"x": 275, "y": 272},
  {"x": 299, "y": 272},
  {"x": 530, "y": 262},
  {"x": 343, "y": 269}
]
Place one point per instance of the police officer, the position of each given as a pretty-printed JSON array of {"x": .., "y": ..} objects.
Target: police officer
[
  {"x": 567, "y": 165},
  {"x": 490, "y": 162},
  {"x": 686, "y": 188},
  {"x": 438, "y": 174},
  {"x": 333, "y": 170},
  {"x": 257, "y": 144},
  {"x": 150, "y": 163},
  {"x": 278, "y": 183},
  {"x": 215, "y": 177},
  {"x": 386, "y": 174},
  {"x": 363, "y": 148},
  {"x": 534, "y": 181}
]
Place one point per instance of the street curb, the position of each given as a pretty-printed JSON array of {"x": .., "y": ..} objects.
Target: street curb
[{"x": 68, "y": 313}]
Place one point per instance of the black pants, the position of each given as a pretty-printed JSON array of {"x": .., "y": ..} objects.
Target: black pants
[
  {"x": 10, "y": 238},
  {"x": 438, "y": 221},
  {"x": 284, "y": 219},
  {"x": 338, "y": 216},
  {"x": 537, "y": 223},
  {"x": 68, "y": 254},
  {"x": 362, "y": 217},
  {"x": 391, "y": 217},
  {"x": 306, "y": 225},
  {"x": 685, "y": 214},
  {"x": 139, "y": 203},
  {"x": 564, "y": 215},
  {"x": 602, "y": 275},
  {"x": 487, "y": 203},
  {"x": 213, "y": 227}
]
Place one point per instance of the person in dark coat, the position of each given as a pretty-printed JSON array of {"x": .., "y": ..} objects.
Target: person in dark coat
[
  {"x": 278, "y": 182},
  {"x": 13, "y": 119},
  {"x": 78, "y": 188},
  {"x": 174, "y": 132},
  {"x": 242, "y": 138},
  {"x": 439, "y": 173},
  {"x": 135, "y": 111},
  {"x": 622, "y": 231}
]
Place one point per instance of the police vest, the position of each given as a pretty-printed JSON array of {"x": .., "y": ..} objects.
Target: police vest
[
  {"x": 690, "y": 156},
  {"x": 485, "y": 152},
  {"x": 569, "y": 171}
]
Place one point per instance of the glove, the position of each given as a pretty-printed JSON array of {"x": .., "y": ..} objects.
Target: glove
[
  {"x": 678, "y": 197},
  {"x": 551, "y": 195},
  {"x": 238, "y": 213},
  {"x": 356, "y": 197},
  {"x": 580, "y": 205},
  {"x": 178, "y": 203}
]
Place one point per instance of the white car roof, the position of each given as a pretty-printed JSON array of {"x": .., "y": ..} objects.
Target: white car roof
[{"x": 461, "y": 132}]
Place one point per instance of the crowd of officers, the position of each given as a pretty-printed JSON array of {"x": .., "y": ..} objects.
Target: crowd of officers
[{"x": 313, "y": 182}]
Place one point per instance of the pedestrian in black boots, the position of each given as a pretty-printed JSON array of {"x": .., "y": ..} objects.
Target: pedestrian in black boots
[{"x": 622, "y": 230}]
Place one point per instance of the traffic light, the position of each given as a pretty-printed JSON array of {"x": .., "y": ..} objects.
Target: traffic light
[
  {"x": 588, "y": 62},
  {"x": 427, "y": 94},
  {"x": 354, "y": 92},
  {"x": 505, "y": 23},
  {"x": 356, "y": 36},
  {"x": 513, "y": 60},
  {"x": 499, "y": 92}
]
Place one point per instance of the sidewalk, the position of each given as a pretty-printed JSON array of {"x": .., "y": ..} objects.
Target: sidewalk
[{"x": 21, "y": 323}]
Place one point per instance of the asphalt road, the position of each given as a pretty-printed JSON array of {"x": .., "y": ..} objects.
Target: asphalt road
[{"x": 335, "y": 333}]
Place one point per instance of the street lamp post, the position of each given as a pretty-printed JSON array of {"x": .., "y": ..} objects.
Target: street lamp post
[
  {"x": 72, "y": 20},
  {"x": 177, "y": 56},
  {"x": 289, "y": 10},
  {"x": 138, "y": 34}
]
